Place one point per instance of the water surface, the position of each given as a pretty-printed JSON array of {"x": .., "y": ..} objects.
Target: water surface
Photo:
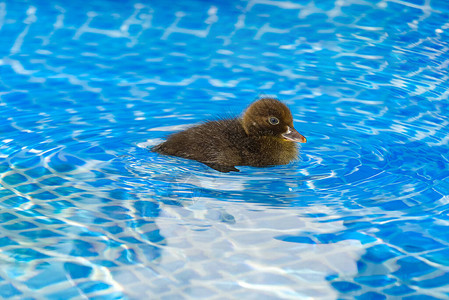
[{"x": 86, "y": 211}]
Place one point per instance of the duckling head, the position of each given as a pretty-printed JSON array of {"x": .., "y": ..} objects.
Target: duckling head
[{"x": 269, "y": 117}]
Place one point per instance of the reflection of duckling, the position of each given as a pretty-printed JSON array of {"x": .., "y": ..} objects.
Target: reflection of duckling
[{"x": 264, "y": 136}]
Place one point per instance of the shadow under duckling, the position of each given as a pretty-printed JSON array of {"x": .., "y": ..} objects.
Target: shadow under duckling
[{"x": 263, "y": 136}]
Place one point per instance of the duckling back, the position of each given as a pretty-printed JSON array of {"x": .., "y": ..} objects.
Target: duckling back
[{"x": 213, "y": 143}]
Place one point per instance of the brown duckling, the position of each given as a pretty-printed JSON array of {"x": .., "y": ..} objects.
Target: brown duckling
[{"x": 264, "y": 136}]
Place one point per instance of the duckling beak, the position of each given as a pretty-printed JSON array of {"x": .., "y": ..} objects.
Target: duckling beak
[{"x": 293, "y": 135}]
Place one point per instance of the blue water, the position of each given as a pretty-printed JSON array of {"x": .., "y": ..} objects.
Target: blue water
[{"x": 86, "y": 211}]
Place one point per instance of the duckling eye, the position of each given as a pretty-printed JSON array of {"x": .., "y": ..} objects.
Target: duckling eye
[{"x": 273, "y": 120}]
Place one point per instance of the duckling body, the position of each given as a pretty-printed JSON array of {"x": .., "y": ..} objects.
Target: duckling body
[{"x": 247, "y": 141}]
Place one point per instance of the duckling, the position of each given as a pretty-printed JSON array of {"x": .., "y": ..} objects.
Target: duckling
[{"x": 263, "y": 136}]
